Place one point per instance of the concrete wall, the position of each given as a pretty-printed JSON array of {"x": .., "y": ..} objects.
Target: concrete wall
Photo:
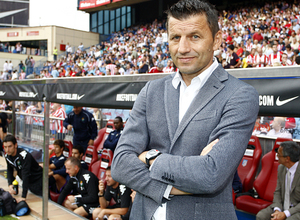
[
  {"x": 15, "y": 59},
  {"x": 53, "y": 34}
]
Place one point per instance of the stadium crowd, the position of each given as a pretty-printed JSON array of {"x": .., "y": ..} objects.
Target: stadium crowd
[{"x": 252, "y": 37}]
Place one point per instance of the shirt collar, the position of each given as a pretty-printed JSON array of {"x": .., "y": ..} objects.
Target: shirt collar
[
  {"x": 293, "y": 168},
  {"x": 203, "y": 76}
]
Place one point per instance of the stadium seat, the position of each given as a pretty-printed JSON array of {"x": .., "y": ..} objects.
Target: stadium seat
[
  {"x": 249, "y": 164},
  {"x": 99, "y": 167},
  {"x": 91, "y": 155},
  {"x": 99, "y": 137},
  {"x": 265, "y": 183},
  {"x": 53, "y": 196},
  {"x": 68, "y": 149}
]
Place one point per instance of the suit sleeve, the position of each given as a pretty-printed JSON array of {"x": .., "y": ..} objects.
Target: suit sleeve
[
  {"x": 126, "y": 167},
  {"x": 213, "y": 171},
  {"x": 277, "y": 199},
  {"x": 66, "y": 191}
]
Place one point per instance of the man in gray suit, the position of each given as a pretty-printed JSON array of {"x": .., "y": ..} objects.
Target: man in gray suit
[
  {"x": 174, "y": 118},
  {"x": 285, "y": 207}
]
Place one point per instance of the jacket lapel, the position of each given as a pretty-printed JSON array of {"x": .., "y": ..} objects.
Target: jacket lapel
[
  {"x": 209, "y": 90},
  {"x": 171, "y": 97}
]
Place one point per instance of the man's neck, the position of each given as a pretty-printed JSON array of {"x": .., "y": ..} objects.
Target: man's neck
[{"x": 115, "y": 185}]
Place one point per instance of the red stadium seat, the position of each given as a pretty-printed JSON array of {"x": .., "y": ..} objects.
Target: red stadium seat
[
  {"x": 99, "y": 167},
  {"x": 265, "y": 183},
  {"x": 68, "y": 149},
  {"x": 99, "y": 137},
  {"x": 91, "y": 155},
  {"x": 249, "y": 164},
  {"x": 108, "y": 128}
]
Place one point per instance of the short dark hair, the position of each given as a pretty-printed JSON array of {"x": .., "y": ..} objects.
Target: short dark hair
[
  {"x": 298, "y": 60},
  {"x": 60, "y": 143},
  {"x": 74, "y": 160},
  {"x": 10, "y": 138},
  {"x": 120, "y": 118},
  {"x": 108, "y": 168},
  {"x": 186, "y": 8},
  {"x": 79, "y": 148},
  {"x": 291, "y": 149},
  {"x": 231, "y": 47}
]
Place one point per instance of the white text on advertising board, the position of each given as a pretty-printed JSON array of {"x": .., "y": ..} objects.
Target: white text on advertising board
[{"x": 126, "y": 97}]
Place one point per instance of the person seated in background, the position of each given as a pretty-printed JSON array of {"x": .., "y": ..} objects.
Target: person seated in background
[
  {"x": 278, "y": 128},
  {"x": 57, "y": 172},
  {"x": 83, "y": 182},
  {"x": 158, "y": 69},
  {"x": 286, "y": 201},
  {"x": 114, "y": 190},
  {"x": 77, "y": 151},
  {"x": 237, "y": 183},
  {"x": 114, "y": 136}
]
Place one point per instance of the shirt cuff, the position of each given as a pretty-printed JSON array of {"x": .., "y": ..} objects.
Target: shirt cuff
[
  {"x": 276, "y": 208},
  {"x": 167, "y": 192},
  {"x": 287, "y": 213}
]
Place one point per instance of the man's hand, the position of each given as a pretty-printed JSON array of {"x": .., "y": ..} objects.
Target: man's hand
[
  {"x": 21, "y": 199},
  {"x": 70, "y": 127},
  {"x": 91, "y": 143},
  {"x": 208, "y": 148},
  {"x": 101, "y": 214},
  {"x": 11, "y": 190},
  {"x": 142, "y": 157},
  {"x": 50, "y": 173},
  {"x": 71, "y": 199},
  {"x": 101, "y": 187},
  {"x": 278, "y": 215}
]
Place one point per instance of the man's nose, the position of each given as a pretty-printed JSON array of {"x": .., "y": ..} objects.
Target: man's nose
[{"x": 184, "y": 46}]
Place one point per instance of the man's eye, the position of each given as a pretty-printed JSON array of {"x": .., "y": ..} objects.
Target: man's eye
[{"x": 195, "y": 36}]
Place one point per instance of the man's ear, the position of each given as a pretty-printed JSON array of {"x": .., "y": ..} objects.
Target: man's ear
[{"x": 217, "y": 40}]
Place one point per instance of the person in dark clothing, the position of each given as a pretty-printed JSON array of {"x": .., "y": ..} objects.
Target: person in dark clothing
[
  {"x": 114, "y": 136},
  {"x": 27, "y": 168},
  {"x": 77, "y": 151},
  {"x": 4, "y": 121},
  {"x": 57, "y": 172},
  {"x": 84, "y": 126},
  {"x": 116, "y": 191},
  {"x": 85, "y": 183},
  {"x": 237, "y": 183}
]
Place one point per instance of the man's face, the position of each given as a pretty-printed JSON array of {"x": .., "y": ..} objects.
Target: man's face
[
  {"x": 191, "y": 44},
  {"x": 118, "y": 124},
  {"x": 274, "y": 48},
  {"x": 284, "y": 57},
  {"x": 58, "y": 150},
  {"x": 259, "y": 51},
  {"x": 75, "y": 153},
  {"x": 71, "y": 169},
  {"x": 77, "y": 110},
  {"x": 281, "y": 158},
  {"x": 109, "y": 180},
  {"x": 10, "y": 148}
]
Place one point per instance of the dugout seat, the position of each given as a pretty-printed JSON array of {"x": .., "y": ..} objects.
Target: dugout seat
[
  {"x": 249, "y": 164},
  {"x": 99, "y": 137},
  {"x": 99, "y": 167},
  {"x": 91, "y": 155},
  {"x": 68, "y": 149},
  {"x": 265, "y": 183}
]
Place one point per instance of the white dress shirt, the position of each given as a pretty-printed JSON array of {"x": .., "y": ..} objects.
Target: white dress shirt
[{"x": 186, "y": 96}]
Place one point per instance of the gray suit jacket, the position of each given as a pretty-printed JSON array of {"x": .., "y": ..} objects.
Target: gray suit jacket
[
  {"x": 224, "y": 108},
  {"x": 278, "y": 199}
]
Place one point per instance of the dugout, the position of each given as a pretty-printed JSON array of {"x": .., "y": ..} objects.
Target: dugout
[{"x": 274, "y": 85}]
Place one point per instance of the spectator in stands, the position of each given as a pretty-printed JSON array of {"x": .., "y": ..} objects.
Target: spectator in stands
[
  {"x": 26, "y": 166},
  {"x": 22, "y": 74},
  {"x": 257, "y": 35},
  {"x": 31, "y": 110},
  {"x": 177, "y": 143},
  {"x": 157, "y": 69},
  {"x": 286, "y": 200},
  {"x": 232, "y": 59},
  {"x": 55, "y": 53},
  {"x": 114, "y": 136},
  {"x": 250, "y": 58},
  {"x": 170, "y": 67},
  {"x": 298, "y": 60},
  {"x": 29, "y": 65},
  {"x": 78, "y": 152},
  {"x": 83, "y": 182},
  {"x": 285, "y": 61},
  {"x": 58, "y": 126},
  {"x": 143, "y": 67},
  {"x": 10, "y": 67},
  {"x": 110, "y": 67},
  {"x": 54, "y": 73},
  {"x": 278, "y": 128},
  {"x": 84, "y": 126},
  {"x": 275, "y": 57},
  {"x": 57, "y": 172},
  {"x": 260, "y": 59},
  {"x": 116, "y": 191},
  {"x": 21, "y": 65},
  {"x": 80, "y": 47},
  {"x": 5, "y": 66}
]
